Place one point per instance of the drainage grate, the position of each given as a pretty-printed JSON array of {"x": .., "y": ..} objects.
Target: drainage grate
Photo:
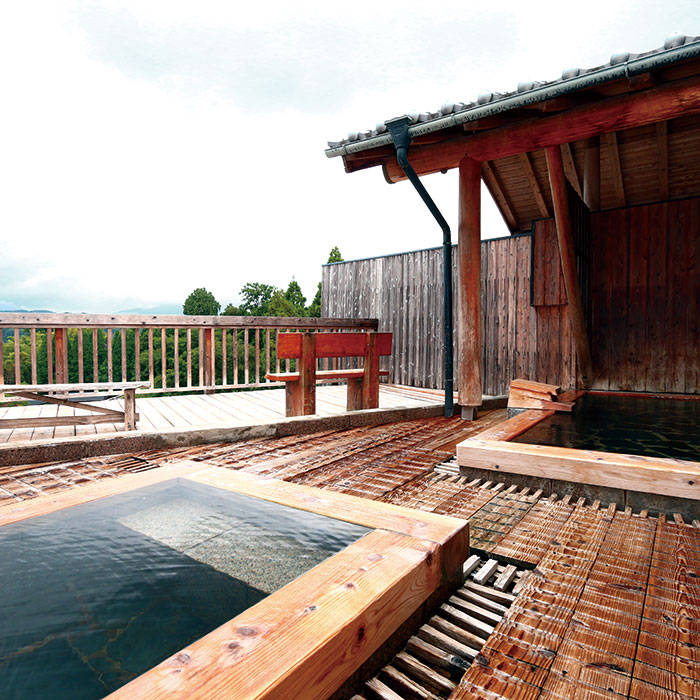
[{"x": 436, "y": 657}]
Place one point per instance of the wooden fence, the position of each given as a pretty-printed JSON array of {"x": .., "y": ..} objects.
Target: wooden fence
[
  {"x": 405, "y": 293},
  {"x": 175, "y": 353}
]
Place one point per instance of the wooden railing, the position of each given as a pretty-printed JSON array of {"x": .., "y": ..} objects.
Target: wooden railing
[{"x": 175, "y": 353}]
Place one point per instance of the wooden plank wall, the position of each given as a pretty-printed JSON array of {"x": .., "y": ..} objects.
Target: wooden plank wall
[
  {"x": 404, "y": 292},
  {"x": 644, "y": 316}
]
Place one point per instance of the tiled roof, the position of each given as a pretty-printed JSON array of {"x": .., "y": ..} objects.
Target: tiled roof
[{"x": 526, "y": 93}]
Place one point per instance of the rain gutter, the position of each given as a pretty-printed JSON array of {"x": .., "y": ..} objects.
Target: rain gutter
[
  {"x": 624, "y": 67},
  {"x": 399, "y": 134}
]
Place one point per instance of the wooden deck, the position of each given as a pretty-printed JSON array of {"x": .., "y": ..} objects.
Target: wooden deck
[
  {"x": 203, "y": 410},
  {"x": 610, "y": 609}
]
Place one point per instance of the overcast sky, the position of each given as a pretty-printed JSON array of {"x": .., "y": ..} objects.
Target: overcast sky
[{"x": 148, "y": 147}]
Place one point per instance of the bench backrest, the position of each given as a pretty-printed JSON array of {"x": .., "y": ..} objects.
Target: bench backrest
[{"x": 332, "y": 344}]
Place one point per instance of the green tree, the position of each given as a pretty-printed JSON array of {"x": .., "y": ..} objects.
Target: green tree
[
  {"x": 256, "y": 298},
  {"x": 232, "y": 310},
  {"x": 314, "y": 308},
  {"x": 280, "y": 305},
  {"x": 296, "y": 298},
  {"x": 335, "y": 255},
  {"x": 201, "y": 303}
]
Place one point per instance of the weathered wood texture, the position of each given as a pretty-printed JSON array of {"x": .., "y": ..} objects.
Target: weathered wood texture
[
  {"x": 170, "y": 357},
  {"x": 405, "y": 293},
  {"x": 644, "y": 320}
]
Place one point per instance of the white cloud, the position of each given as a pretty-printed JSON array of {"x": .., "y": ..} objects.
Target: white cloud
[{"x": 149, "y": 148}]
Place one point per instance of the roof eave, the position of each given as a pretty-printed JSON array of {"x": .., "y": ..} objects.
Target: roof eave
[{"x": 627, "y": 69}]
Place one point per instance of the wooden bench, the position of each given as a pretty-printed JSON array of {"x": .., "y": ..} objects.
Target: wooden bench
[
  {"x": 307, "y": 348},
  {"x": 37, "y": 392}
]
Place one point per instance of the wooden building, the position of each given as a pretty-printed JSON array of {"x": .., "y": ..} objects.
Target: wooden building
[{"x": 602, "y": 165}]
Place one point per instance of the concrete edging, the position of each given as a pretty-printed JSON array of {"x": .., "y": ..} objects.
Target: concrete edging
[{"x": 78, "y": 447}]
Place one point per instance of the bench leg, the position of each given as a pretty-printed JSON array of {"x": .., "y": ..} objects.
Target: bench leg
[
  {"x": 129, "y": 409},
  {"x": 370, "y": 382},
  {"x": 355, "y": 394},
  {"x": 307, "y": 374},
  {"x": 294, "y": 406}
]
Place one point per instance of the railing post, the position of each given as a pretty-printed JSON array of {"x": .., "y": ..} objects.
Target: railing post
[
  {"x": 209, "y": 360},
  {"x": 61, "y": 356}
]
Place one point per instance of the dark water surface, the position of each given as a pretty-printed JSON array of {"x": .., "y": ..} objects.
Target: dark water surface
[
  {"x": 626, "y": 424},
  {"x": 97, "y": 594}
]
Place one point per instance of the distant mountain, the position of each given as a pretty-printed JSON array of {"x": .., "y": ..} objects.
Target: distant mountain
[
  {"x": 167, "y": 309},
  {"x": 15, "y": 310}
]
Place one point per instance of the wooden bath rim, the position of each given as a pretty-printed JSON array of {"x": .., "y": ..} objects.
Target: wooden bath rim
[
  {"x": 494, "y": 450},
  {"x": 307, "y": 638}
]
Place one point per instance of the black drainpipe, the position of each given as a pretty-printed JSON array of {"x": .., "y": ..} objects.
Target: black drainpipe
[{"x": 398, "y": 128}]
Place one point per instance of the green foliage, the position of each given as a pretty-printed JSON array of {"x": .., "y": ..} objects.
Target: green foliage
[
  {"x": 232, "y": 310},
  {"x": 281, "y": 306},
  {"x": 201, "y": 303},
  {"x": 314, "y": 309},
  {"x": 335, "y": 255},
  {"x": 256, "y": 299},
  {"x": 295, "y": 297}
]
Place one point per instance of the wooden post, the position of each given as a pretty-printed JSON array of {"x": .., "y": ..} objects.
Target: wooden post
[
  {"x": 568, "y": 263},
  {"x": 209, "y": 358},
  {"x": 370, "y": 380},
  {"x": 354, "y": 402},
  {"x": 591, "y": 173},
  {"x": 469, "y": 300},
  {"x": 307, "y": 374},
  {"x": 61, "y": 351},
  {"x": 130, "y": 409}
]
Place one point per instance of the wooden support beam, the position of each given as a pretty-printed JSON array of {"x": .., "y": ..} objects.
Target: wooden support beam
[
  {"x": 370, "y": 380},
  {"x": 61, "y": 356},
  {"x": 499, "y": 196},
  {"x": 534, "y": 185},
  {"x": 618, "y": 189},
  {"x": 568, "y": 264},
  {"x": 130, "y": 415},
  {"x": 591, "y": 173},
  {"x": 469, "y": 270},
  {"x": 570, "y": 168},
  {"x": 662, "y": 147},
  {"x": 307, "y": 374},
  {"x": 575, "y": 124}
]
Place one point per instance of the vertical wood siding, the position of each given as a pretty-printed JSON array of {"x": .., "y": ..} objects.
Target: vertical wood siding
[
  {"x": 405, "y": 293},
  {"x": 645, "y": 298}
]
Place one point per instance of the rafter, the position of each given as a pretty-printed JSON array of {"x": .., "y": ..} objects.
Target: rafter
[
  {"x": 534, "y": 185},
  {"x": 494, "y": 186},
  {"x": 570, "y": 168},
  {"x": 618, "y": 183},
  {"x": 591, "y": 173},
  {"x": 662, "y": 147}
]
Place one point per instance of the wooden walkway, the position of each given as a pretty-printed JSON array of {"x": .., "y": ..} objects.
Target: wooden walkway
[
  {"x": 203, "y": 410},
  {"x": 609, "y": 609}
]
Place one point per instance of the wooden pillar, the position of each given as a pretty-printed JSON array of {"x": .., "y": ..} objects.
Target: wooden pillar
[
  {"x": 591, "y": 173},
  {"x": 209, "y": 359},
  {"x": 61, "y": 356},
  {"x": 370, "y": 380},
  {"x": 568, "y": 263},
  {"x": 307, "y": 374},
  {"x": 469, "y": 276},
  {"x": 130, "y": 417}
]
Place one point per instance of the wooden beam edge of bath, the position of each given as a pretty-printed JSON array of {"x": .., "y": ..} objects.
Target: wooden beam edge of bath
[
  {"x": 49, "y": 503},
  {"x": 305, "y": 640},
  {"x": 667, "y": 477}
]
